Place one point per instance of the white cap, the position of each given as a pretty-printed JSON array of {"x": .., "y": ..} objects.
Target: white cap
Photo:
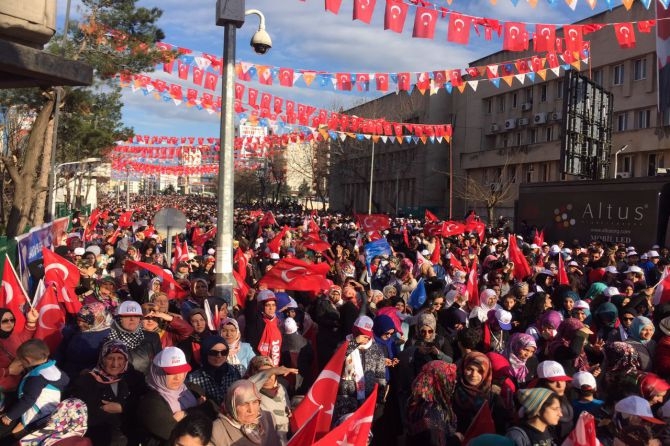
[
  {"x": 611, "y": 269},
  {"x": 582, "y": 305},
  {"x": 580, "y": 380},
  {"x": 644, "y": 256},
  {"x": 638, "y": 406},
  {"x": 573, "y": 263},
  {"x": 555, "y": 249},
  {"x": 79, "y": 251},
  {"x": 274, "y": 256},
  {"x": 552, "y": 370},
  {"x": 459, "y": 276},
  {"x": 95, "y": 249},
  {"x": 211, "y": 251},
  {"x": 494, "y": 241},
  {"x": 653, "y": 253},
  {"x": 129, "y": 308},
  {"x": 172, "y": 360},
  {"x": 534, "y": 246},
  {"x": 655, "y": 247},
  {"x": 634, "y": 269},
  {"x": 425, "y": 252},
  {"x": 611, "y": 291},
  {"x": 504, "y": 319},
  {"x": 547, "y": 272},
  {"x": 630, "y": 248},
  {"x": 364, "y": 325},
  {"x": 290, "y": 326},
  {"x": 632, "y": 253},
  {"x": 567, "y": 250}
]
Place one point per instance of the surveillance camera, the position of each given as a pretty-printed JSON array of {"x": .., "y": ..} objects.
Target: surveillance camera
[{"x": 261, "y": 41}]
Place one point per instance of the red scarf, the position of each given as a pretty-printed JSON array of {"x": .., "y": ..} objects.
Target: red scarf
[{"x": 270, "y": 343}]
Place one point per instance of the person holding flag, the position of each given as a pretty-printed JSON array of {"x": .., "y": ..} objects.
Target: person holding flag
[{"x": 10, "y": 340}]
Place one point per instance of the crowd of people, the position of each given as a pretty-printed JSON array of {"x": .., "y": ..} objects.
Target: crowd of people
[{"x": 456, "y": 344}]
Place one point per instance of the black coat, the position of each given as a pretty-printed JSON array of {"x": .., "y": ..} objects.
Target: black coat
[{"x": 142, "y": 356}]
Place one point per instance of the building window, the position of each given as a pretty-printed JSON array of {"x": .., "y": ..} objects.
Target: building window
[
  {"x": 511, "y": 174},
  {"x": 505, "y": 141},
  {"x": 621, "y": 122},
  {"x": 598, "y": 77},
  {"x": 652, "y": 164},
  {"x": 627, "y": 163},
  {"x": 488, "y": 106},
  {"x": 543, "y": 93},
  {"x": 544, "y": 172},
  {"x": 528, "y": 94},
  {"x": 501, "y": 103},
  {"x": 548, "y": 132},
  {"x": 559, "y": 89},
  {"x": 640, "y": 69},
  {"x": 533, "y": 136},
  {"x": 642, "y": 118},
  {"x": 514, "y": 100},
  {"x": 517, "y": 139},
  {"x": 618, "y": 75},
  {"x": 529, "y": 173}
]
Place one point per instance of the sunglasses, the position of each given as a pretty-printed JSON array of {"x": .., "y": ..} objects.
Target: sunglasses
[
  {"x": 438, "y": 304},
  {"x": 7, "y": 321},
  {"x": 627, "y": 318},
  {"x": 427, "y": 331},
  {"x": 219, "y": 353},
  {"x": 388, "y": 333}
]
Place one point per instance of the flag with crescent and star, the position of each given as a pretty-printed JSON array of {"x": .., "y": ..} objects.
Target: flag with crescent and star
[
  {"x": 12, "y": 296},
  {"x": 297, "y": 275},
  {"x": 51, "y": 319},
  {"x": 355, "y": 430},
  {"x": 322, "y": 394},
  {"x": 59, "y": 270}
]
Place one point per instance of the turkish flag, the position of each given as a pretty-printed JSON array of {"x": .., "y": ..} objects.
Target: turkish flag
[
  {"x": 372, "y": 222},
  {"x": 382, "y": 81},
  {"x": 481, "y": 424},
  {"x": 210, "y": 81},
  {"x": 241, "y": 262},
  {"x": 538, "y": 238},
  {"x": 439, "y": 78},
  {"x": 662, "y": 292},
  {"x": 424, "y": 23},
  {"x": 252, "y": 95},
  {"x": 286, "y": 77},
  {"x": 403, "y": 81},
  {"x": 405, "y": 237},
  {"x": 584, "y": 433},
  {"x": 182, "y": 69},
  {"x": 552, "y": 60},
  {"x": 478, "y": 227},
  {"x": 125, "y": 219},
  {"x": 515, "y": 37},
  {"x": 459, "y": 28},
  {"x": 429, "y": 216},
  {"x": 455, "y": 77},
  {"x": 273, "y": 245},
  {"x": 625, "y": 34},
  {"x": 51, "y": 319},
  {"x": 521, "y": 268},
  {"x": 545, "y": 38},
  {"x": 363, "y": 81},
  {"x": 363, "y": 10},
  {"x": 450, "y": 228},
  {"x": 321, "y": 396},
  {"x": 12, "y": 296},
  {"x": 472, "y": 286},
  {"x": 267, "y": 220},
  {"x": 169, "y": 285},
  {"x": 573, "y": 37},
  {"x": 333, "y": 6},
  {"x": 59, "y": 270},
  {"x": 278, "y": 104},
  {"x": 343, "y": 81},
  {"x": 562, "y": 273},
  {"x": 355, "y": 430},
  {"x": 435, "y": 255},
  {"x": 455, "y": 263},
  {"x": 315, "y": 243},
  {"x": 433, "y": 228},
  {"x": 241, "y": 289},
  {"x": 307, "y": 433},
  {"x": 198, "y": 74},
  {"x": 395, "y": 15},
  {"x": 297, "y": 275}
]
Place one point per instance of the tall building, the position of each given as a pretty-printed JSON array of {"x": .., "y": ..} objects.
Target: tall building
[{"x": 508, "y": 135}]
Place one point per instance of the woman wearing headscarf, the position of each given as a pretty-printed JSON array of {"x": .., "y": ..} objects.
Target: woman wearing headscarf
[
  {"x": 384, "y": 330},
  {"x": 142, "y": 345},
  {"x": 10, "y": 340},
  {"x": 535, "y": 307},
  {"x": 621, "y": 369},
  {"x": 606, "y": 321},
  {"x": 191, "y": 346},
  {"x": 169, "y": 398},
  {"x": 473, "y": 388},
  {"x": 110, "y": 392},
  {"x": 242, "y": 422},
  {"x": 640, "y": 337},
  {"x": 567, "y": 348},
  {"x": 653, "y": 388},
  {"x": 239, "y": 353},
  {"x": 488, "y": 300},
  {"x": 81, "y": 344},
  {"x": 426, "y": 345},
  {"x": 544, "y": 331},
  {"x": 67, "y": 426},
  {"x": 521, "y": 355},
  {"x": 216, "y": 374},
  {"x": 503, "y": 382},
  {"x": 170, "y": 328},
  {"x": 430, "y": 418}
]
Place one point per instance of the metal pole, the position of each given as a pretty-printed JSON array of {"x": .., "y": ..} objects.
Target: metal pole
[
  {"x": 372, "y": 172},
  {"x": 451, "y": 180},
  {"x": 616, "y": 156},
  {"x": 397, "y": 190},
  {"x": 224, "y": 238},
  {"x": 127, "y": 189}
]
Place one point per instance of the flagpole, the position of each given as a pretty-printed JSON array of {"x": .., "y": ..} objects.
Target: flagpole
[
  {"x": 18, "y": 280},
  {"x": 372, "y": 172}
]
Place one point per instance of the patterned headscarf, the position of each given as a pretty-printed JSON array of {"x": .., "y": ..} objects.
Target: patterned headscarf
[
  {"x": 99, "y": 372},
  {"x": 621, "y": 357},
  {"x": 466, "y": 394},
  {"x": 518, "y": 342},
  {"x": 564, "y": 336},
  {"x": 70, "y": 419},
  {"x": 426, "y": 320},
  {"x": 95, "y": 315},
  {"x": 430, "y": 405},
  {"x": 240, "y": 392},
  {"x": 132, "y": 339}
]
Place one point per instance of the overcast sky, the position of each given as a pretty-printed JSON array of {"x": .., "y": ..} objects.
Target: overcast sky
[{"x": 305, "y": 36}]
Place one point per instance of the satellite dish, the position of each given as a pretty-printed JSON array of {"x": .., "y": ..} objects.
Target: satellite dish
[{"x": 169, "y": 220}]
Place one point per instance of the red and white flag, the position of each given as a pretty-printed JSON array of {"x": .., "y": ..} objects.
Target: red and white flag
[
  {"x": 297, "y": 275},
  {"x": 169, "y": 285},
  {"x": 584, "y": 433},
  {"x": 363, "y": 10},
  {"x": 395, "y": 15},
  {"x": 562, "y": 273},
  {"x": 321, "y": 395},
  {"x": 372, "y": 222},
  {"x": 275, "y": 243},
  {"x": 573, "y": 38},
  {"x": 59, "y": 270},
  {"x": 125, "y": 219},
  {"x": 472, "y": 286},
  {"x": 662, "y": 292},
  {"x": 424, "y": 23},
  {"x": 481, "y": 424},
  {"x": 355, "y": 430},
  {"x": 515, "y": 37},
  {"x": 514, "y": 254},
  {"x": 12, "y": 296},
  {"x": 545, "y": 38},
  {"x": 51, "y": 319},
  {"x": 459, "y": 28},
  {"x": 625, "y": 34},
  {"x": 429, "y": 216},
  {"x": 306, "y": 434}
]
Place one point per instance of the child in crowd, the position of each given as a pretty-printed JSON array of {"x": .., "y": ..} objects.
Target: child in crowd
[{"x": 585, "y": 387}]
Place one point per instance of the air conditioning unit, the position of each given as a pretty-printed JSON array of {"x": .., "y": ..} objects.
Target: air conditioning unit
[
  {"x": 526, "y": 106},
  {"x": 555, "y": 116},
  {"x": 540, "y": 118},
  {"x": 510, "y": 124},
  {"x": 623, "y": 175},
  {"x": 524, "y": 121},
  {"x": 495, "y": 128}
]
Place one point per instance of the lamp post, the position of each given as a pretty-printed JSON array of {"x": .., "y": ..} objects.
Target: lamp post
[
  {"x": 372, "y": 174},
  {"x": 616, "y": 159},
  {"x": 127, "y": 188},
  {"x": 55, "y": 188},
  {"x": 231, "y": 15}
]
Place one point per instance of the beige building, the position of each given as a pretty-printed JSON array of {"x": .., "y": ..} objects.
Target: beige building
[{"x": 512, "y": 134}]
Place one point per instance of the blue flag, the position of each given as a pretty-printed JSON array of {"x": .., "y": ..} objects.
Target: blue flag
[
  {"x": 376, "y": 248},
  {"x": 418, "y": 296}
]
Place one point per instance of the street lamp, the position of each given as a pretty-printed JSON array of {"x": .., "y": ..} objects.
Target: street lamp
[
  {"x": 55, "y": 188},
  {"x": 231, "y": 15},
  {"x": 616, "y": 159}
]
